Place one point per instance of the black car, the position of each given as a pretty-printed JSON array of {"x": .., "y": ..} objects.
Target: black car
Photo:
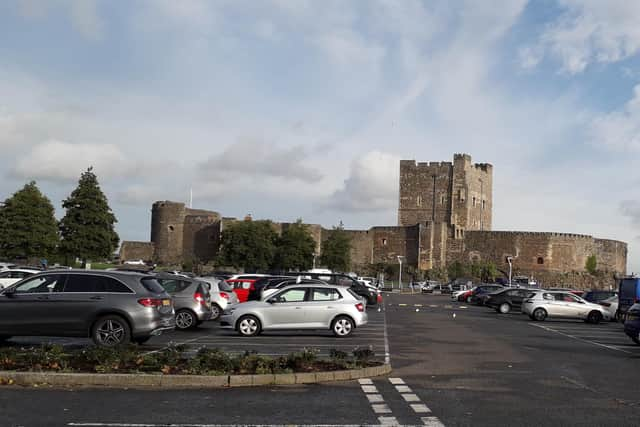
[
  {"x": 263, "y": 283},
  {"x": 597, "y": 296},
  {"x": 477, "y": 297},
  {"x": 506, "y": 300},
  {"x": 370, "y": 294}
]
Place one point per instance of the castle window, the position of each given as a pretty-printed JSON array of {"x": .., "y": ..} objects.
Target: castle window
[
  {"x": 483, "y": 204},
  {"x": 384, "y": 242},
  {"x": 474, "y": 202},
  {"x": 171, "y": 228},
  {"x": 442, "y": 199},
  {"x": 419, "y": 201},
  {"x": 540, "y": 260}
]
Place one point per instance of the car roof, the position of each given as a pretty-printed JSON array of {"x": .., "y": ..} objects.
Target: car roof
[
  {"x": 25, "y": 270},
  {"x": 98, "y": 272}
]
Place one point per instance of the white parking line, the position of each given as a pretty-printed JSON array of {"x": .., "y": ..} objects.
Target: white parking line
[
  {"x": 431, "y": 422},
  {"x": 411, "y": 398},
  {"x": 420, "y": 408},
  {"x": 381, "y": 408},
  {"x": 581, "y": 339},
  {"x": 388, "y": 421},
  {"x": 365, "y": 381},
  {"x": 375, "y": 398},
  {"x": 387, "y": 353},
  {"x": 403, "y": 389},
  {"x": 396, "y": 381},
  {"x": 369, "y": 389}
]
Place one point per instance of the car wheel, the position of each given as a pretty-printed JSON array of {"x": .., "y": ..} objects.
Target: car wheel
[
  {"x": 342, "y": 326},
  {"x": 248, "y": 326},
  {"x": 505, "y": 308},
  {"x": 619, "y": 316},
  {"x": 111, "y": 331},
  {"x": 594, "y": 317},
  {"x": 469, "y": 299},
  {"x": 141, "y": 340},
  {"x": 185, "y": 319},
  {"x": 216, "y": 311},
  {"x": 539, "y": 314}
]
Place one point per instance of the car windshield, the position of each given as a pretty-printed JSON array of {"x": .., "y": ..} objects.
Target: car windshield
[{"x": 152, "y": 285}]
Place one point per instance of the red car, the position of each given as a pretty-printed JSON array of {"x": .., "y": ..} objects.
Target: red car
[{"x": 243, "y": 284}]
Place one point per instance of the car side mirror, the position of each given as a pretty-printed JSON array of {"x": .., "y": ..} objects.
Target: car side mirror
[
  {"x": 271, "y": 300},
  {"x": 9, "y": 292}
]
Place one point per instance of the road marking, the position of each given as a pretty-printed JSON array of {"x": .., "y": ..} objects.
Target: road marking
[
  {"x": 581, "y": 339},
  {"x": 433, "y": 306},
  {"x": 387, "y": 353},
  {"x": 375, "y": 398},
  {"x": 402, "y": 305},
  {"x": 365, "y": 381},
  {"x": 431, "y": 422},
  {"x": 420, "y": 408},
  {"x": 388, "y": 421},
  {"x": 403, "y": 389},
  {"x": 411, "y": 398},
  {"x": 417, "y": 305},
  {"x": 396, "y": 381},
  {"x": 369, "y": 389},
  {"x": 381, "y": 408},
  {"x": 463, "y": 307}
]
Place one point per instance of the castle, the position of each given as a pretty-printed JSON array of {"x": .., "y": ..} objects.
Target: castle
[{"x": 444, "y": 215}]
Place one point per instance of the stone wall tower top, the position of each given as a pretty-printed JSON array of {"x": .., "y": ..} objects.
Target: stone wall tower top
[{"x": 459, "y": 193}]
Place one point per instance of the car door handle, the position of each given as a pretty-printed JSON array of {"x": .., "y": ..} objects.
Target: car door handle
[
  {"x": 329, "y": 308},
  {"x": 298, "y": 308},
  {"x": 96, "y": 298}
]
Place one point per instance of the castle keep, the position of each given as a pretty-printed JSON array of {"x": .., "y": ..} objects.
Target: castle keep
[{"x": 444, "y": 215}]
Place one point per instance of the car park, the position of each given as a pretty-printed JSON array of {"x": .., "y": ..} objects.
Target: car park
[
  {"x": 298, "y": 307},
  {"x": 632, "y": 323},
  {"x": 222, "y": 295},
  {"x": 111, "y": 308},
  {"x": 507, "y": 300},
  {"x": 191, "y": 299},
  {"x": 11, "y": 276},
  {"x": 255, "y": 292},
  {"x": 540, "y": 305}
]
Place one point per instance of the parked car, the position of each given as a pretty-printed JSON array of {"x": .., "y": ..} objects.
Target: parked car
[
  {"x": 336, "y": 308},
  {"x": 611, "y": 306},
  {"x": 191, "y": 300},
  {"x": 632, "y": 323},
  {"x": 628, "y": 294},
  {"x": 112, "y": 308},
  {"x": 436, "y": 288},
  {"x": 573, "y": 291},
  {"x": 373, "y": 296},
  {"x": 506, "y": 300},
  {"x": 255, "y": 292},
  {"x": 477, "y": 296},
  {"x": 222, "y": 295},
  {"x": 465, "y": 296},
  {"x": 11, "y": 276},
  {"x": 276, "y": 285},
  {"x": 244, "y": 284},
  {"x": 596, "y": 296},
  {"x": 6, "y": 266},
  {"x": 542, "y": 304}
]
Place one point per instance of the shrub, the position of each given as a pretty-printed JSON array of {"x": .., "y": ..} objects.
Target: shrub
[
  {"x": 301, "y": 360},
  {"x": 210, "y": 361},
  {"x": 363, "y": 356}
]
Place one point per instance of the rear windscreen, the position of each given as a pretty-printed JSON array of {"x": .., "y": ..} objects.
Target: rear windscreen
[
  {"x": 152, "y": 285},
  {"x": 224, "y": 286}
]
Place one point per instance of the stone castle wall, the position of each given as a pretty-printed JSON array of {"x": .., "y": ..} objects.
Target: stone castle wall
[{"x": 134, "y": 251}]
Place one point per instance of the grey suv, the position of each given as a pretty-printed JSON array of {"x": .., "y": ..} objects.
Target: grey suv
[{"x": 112, "y": 308}]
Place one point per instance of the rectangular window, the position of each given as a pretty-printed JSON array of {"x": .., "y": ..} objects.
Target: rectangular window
[
  {"x": 321, "y": 294},
  {"x": 483, "y": 205}
]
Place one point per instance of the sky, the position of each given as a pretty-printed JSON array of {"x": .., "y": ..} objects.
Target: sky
[{"x": 287, "y": 109}]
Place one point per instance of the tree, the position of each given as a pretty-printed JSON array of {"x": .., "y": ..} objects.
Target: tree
[
  {"x": 28, "y": 227},
  {"x": 336, "y": 250},
  {"x": 457, "y": 270},
  {"x": 591, "y": 265},
  {"x": 250, "y": 245},
  {"x": 87, "y": 229},
  {"x": 295, "y": 248}
]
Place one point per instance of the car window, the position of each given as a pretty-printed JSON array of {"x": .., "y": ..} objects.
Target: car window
[
  {"x": 41, "y": 284},
  {"x": 292, "y": 295},
  {"x": 152, "y": 285},
  {"x": 550, "y": 297},
  {"x": 356, "y": 296},
  {"x": 321, "y": 294},
  {"x": 346, "y": 281},
  {"x": 514, "y": 293},
  {"x": 5, "y": 274},
  {"x": 571, "y": 298},
  {"x": 20, "y": 274},
  {"x": 173, "y": 286}
]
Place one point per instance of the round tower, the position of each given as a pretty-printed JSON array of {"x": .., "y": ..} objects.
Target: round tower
[{"x": 167, "y": 231}]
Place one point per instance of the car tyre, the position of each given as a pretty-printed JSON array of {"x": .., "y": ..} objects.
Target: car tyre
[
  {"x": 594, "y": 317},
  {"x": 186, "y": 319},
  {"x": 249, "y": 326},
  {"x": 111, "y": 331},
  {"x": 216, "y": 311},
  {"x": 342, "y": 326},
  {"x": 504, "y": 308},
  {"x": 539, "y": 314}
]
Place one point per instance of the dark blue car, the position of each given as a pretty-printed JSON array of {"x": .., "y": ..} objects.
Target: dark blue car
[
  {"x": 632, "y": 323},
  {"x": 628, "y": 294}
]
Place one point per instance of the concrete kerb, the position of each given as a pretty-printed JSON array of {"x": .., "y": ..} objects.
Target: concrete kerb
[{"x": 184, "y": 381}]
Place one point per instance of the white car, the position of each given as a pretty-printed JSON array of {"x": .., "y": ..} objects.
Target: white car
[
  {"x": 222, "y": 295},
  {"x": 9, "y": 277},
  {"x": 611, "y": 306},
  {"x": 4, "y": 266},
  {"x": 542, "y": 304}
]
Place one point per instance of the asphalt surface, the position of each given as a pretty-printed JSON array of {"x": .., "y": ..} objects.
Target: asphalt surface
[{"x": 478, "y": 368}]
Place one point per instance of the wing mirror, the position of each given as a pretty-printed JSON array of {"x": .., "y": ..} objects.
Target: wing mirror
[
  {"x": 271, "y": 300},
  {"x": 9, "y": 291}
]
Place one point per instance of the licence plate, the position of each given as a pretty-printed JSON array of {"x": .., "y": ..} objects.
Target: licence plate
[{"x": 166, "y": 302}]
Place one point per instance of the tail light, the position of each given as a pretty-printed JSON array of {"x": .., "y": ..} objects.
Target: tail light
[
  {"x": 360, "y": 307},
  {"x": 379, "y": 299},
  {"x": 200, "y": 298},
  {"x": 224, "y": 295},
  {"x": 150, "y": 302}
]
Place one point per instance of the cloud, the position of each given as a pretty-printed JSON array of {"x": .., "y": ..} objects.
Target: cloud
[
  {"x": 619, "y": 130},
  {"x": 62, "y": 161},
  {"x": 372, "y": 184},
  {"x": 588, "y": 32},
  {"x": 631, "y": 209},
  {"x": 261, "y": 159}
]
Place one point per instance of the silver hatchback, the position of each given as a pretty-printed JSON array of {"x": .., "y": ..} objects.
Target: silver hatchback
[{"x": 314, "y": 306}]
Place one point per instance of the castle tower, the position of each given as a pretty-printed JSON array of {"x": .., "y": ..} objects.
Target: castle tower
[
  {"x": 167, "y": 231},
  {"x": 459, "y": 193}
]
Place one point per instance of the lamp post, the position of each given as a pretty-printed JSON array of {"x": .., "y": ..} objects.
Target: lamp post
[
  {"x": 400, "y": 273},
  {"x": 510, "y": 261},
  {"x": 481, "y": 205}
]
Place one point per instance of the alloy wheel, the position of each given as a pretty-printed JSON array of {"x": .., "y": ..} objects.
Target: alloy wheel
[
  {"x": 184, "y": 320},
  {"x": 342, "y": 327},
  {"x": 215, "y": 312},
  {"x": 248, "y": 326},
  {"x": 505, "y": 308},
  {"x": 111, "y": 333}
]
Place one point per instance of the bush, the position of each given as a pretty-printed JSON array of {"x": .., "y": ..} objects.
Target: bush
[
  {"x": 363, "y": 356},
  {"x": 211, "y": 362},
  {"x": 301, "y": 360}
]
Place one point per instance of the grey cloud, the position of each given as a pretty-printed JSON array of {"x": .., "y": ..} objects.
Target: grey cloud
[
  {"x": 631, "y": 209},
  {"x": 262, "y": 159}
]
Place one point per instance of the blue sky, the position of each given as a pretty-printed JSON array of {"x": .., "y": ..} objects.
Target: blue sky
[{"x": 294, "y": 108}]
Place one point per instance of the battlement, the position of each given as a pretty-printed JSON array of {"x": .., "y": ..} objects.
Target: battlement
[
  {"x": 412, "y": 164},
  {"x": 531, "y": 234}
]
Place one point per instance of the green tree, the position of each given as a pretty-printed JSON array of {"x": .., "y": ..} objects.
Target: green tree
[
  {"x": 457, "y": 270},
  {"x": 336, "y": 250},
  {"x": 28, "y": 227},
  {"x": 295, "y": 248},
  {"x": 591, "y": 265},
  {"x": 250, "y": 245},
  {"x": 87, "y": 229}
]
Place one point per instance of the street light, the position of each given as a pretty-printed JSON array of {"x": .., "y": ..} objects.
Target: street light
[
  {"x": 400, "y": 273},
  {"x": 510, "y": 261}
]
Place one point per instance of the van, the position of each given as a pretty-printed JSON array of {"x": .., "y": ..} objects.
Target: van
[{"x": 628, "y": 294}]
